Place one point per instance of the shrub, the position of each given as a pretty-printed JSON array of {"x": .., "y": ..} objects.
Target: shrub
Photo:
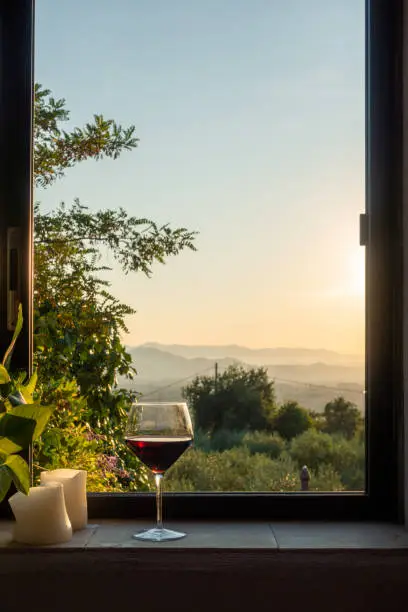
[
  {"x": 320, "y": 451},
  {"x": 348, "y": 459},
  {"x": 221, "y": 440},
  {"x": 292, "y": 420},
  {"x": 232, "y": 470},
  {"x": 202, "y": 441},
  {"x": 69, "y": 441},
  {"x": 312, "y": 448},
  {"x": 325, "y": 479},
  {"x": 225, "y": 439},
  {"x": 271, "y": 444},
  {"x": 240, "y": 470}
]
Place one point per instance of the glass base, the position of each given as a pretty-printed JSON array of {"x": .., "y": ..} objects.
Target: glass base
[{"x": 159, "y": 535}]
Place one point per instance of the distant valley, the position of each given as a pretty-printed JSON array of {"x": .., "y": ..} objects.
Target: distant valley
[{"x": 310, "y": 376}]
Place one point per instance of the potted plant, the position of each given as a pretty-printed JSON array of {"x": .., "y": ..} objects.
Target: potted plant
[{"x": 22, "y": 420}]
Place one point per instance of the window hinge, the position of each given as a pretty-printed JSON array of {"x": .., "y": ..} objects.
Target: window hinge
[{"x": 363, "y": 229}]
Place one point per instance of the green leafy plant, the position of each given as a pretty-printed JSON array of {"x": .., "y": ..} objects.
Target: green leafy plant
[
  {"x": 22, "y": 420},
  {"x": 69, "y": 441},
  {"x": 78, "y": 325}
]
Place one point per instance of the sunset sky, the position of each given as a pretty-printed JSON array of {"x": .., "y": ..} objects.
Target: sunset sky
[{"x": 250, "y": 115}]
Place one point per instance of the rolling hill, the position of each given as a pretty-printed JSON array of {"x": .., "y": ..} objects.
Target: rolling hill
[
  {"x": 153, "y": 364},
  {"x": 272, "y": 356},
  {"x": 161, "y": 375}
]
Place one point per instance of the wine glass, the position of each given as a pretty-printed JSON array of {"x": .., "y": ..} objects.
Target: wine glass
[{"x": 158, "y": 433}]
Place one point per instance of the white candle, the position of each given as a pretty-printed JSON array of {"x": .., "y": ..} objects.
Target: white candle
[
  {"x": 74, "y": 483},
  {"x": 41, "y": 516}
]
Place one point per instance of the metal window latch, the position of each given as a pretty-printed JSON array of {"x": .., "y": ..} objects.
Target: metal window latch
[
  {"x": 13, "y": 276},
  {"x": 363, "y": 229}
]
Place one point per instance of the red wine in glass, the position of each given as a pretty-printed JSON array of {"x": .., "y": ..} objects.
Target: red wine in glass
[
  {"x": 158, "y": 433},
  {"x": 158, "y": 454}
]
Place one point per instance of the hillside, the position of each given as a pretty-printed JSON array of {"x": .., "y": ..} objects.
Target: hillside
[
  {"x": 162, "y": 374},
  {"x": 321, "y": 373},
  {"x": 272, "y": 356},
  {"x": 156, "y": 365}
]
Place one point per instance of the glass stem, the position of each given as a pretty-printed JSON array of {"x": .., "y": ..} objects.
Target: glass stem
[{"x": 158, "y": 478}]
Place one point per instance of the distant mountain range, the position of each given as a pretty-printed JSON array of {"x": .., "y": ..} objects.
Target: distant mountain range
[
  {"x": 154, "y": 364},
  {"x": 277, "y": 356}
]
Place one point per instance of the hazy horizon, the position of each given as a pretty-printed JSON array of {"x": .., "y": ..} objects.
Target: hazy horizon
[
  {"x": 252, "y": 348},
  {"x": 250, "y": 115}
]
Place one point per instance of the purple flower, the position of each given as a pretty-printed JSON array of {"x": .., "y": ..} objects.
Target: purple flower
[{"x": 108, "y": 462}]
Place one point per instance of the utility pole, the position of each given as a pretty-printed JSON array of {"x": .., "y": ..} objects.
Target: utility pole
[{"x": 215, "y": 376}]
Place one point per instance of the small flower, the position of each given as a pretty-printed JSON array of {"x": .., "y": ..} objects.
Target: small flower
[{"x": 108, "y": 463}]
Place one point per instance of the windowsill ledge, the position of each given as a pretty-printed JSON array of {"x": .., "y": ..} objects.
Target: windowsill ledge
[
  {"x": 245, "y": 565},
  {"x": 230, "y": 536}
]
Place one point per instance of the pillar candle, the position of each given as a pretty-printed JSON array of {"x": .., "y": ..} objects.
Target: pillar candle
[
  {"x": 41, "y": 516},
  {"x": 74, "y": 483}
]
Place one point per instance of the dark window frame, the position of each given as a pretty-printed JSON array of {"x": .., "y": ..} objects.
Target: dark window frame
[{"x": 383, "y": 499}]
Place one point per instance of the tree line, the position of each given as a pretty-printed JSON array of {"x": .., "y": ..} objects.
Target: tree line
[
  {"x": 244, "y": 399},
  {"x": 246, "y": 441}
]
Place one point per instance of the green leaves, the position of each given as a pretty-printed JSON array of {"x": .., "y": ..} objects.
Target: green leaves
[
  {"x": 27, "y": 390},
  {"x": 78, "y": 325},
  {"x": 14, "y": 469},
  {"x": 292, "y": 420},
  {"x": 34, "y": 412},
  {"x": 20, "y": 422},
  {"x": 19, "y": 471},
  {"x": 16, "y": 432},
  {"x": 18, "y": 428},
  {"x": 4, "y": 375},
  {"x": 55, "y": 150},
  {"x": 239, "y": 399},
  {"x": 5, "y": 480}
]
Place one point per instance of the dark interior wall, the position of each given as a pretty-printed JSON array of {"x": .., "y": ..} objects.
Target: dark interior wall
[{"x": 195, "y": 581}]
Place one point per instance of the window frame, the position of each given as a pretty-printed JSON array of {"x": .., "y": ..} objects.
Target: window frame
[{"x": 383, "y": 499}]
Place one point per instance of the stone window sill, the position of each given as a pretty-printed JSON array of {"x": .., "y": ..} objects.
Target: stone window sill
[
  {"x": 234, "y": 536},
  {"x": 341, "y": 567}
]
